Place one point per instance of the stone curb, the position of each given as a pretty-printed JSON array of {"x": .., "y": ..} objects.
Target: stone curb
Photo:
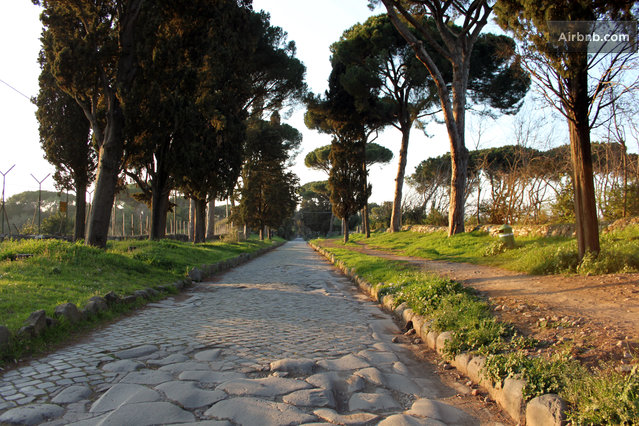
[
  {"x": 38, "y": 322},
  {"x": 543, "y": 410}
]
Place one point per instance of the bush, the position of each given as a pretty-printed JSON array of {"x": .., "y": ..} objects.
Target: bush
[
  {"x": 542, "y": 375},
  {"x": 608, "y": 397}
]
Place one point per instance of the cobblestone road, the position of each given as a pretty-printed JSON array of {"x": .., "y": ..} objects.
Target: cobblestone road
[{"x": 280, "y": 340}]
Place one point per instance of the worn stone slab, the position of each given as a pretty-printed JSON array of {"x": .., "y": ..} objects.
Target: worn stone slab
[
  {"x": 72, "y": 394},
  {"x": 171, "y": 359},
  {"x": 208, "y": 355},
  {"x": 546, "y": 410},
  {"x": 355, "y": 384},
  {"x": 146, "y": 414},
  {"x": 303, "y": 366},
  {"x": 31, "y": 414},
  {"x": 371, "y": 374},
  {"x": 345, "y": 419},
  {"x": 211, "y": 377},
  {"x": 205, "y": 423},
  {"x": 325, "y": 380},
  {"x": 347, "y": 362},
  {"x": 439, "y": 411},
  {"x": 310, "y": 398},
  {"x": 185, "y": 366},
  {"x": 121, "y": 394},
  {"x": 406, "y": 420},
  {"x": 372, "y": 402},
  {"x": 147, "y": 377},
  {"x": 401, "y": 368},
  {"x": 378, "y": 357},
  {"x": 253, "y": 411},
  {"x": 402, "y": 384},
  {"x": 268, "y": 387},
  {"x": 188, "y": 395},
  {"x": 136, "y": 352},
  {"x": 123, "y": 366}
]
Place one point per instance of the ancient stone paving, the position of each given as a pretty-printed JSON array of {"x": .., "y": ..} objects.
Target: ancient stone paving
[{"x": 280, "y": 340}]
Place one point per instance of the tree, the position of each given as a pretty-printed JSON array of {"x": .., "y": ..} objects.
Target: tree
[
  {"x": 247, "y": 68},
  {"x": 347, "y": 180},
  {"x": 64, "y": 135},
  {"x": 563, "y": 76},
  {"x": 319, "y": 159},
  {"x": 91, "y": 46},
  {"x": 379, "y": 62},
  {"x": 269, "y": 192},
  {"x": 159, "y": 101},
  {"x": 351, "y": 122},
  {"x": 315, "y": 207},
  {"x": 435, "y": 36}
]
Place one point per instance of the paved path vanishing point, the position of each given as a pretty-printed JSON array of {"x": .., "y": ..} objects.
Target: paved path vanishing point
[{"x": 280, "y": 340}]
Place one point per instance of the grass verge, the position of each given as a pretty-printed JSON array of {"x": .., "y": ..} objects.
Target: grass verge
[
  {"x": 532, "y": 255},
  {"x": 60, "y": 272},
  {"x": 610, "y": 397}
]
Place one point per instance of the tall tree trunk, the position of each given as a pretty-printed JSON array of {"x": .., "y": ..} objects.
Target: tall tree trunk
[
  {"x": 261, "y": 233},
  {"x": 160, "y": 192},
  {"x": 80, "y": 210},
  {"x": 110, "y": 157},
  {"x": 365, "y": 222},
  {"x": 200, "y": 221},
  {"x": 396, "y": 214},
  {"x": 454, "y": 112},
  {"x": 581, "y": 155},
  {"x": 191, "y": 220},
  {"x": 458, "y": 151},
  {"x": 159, "y": 211},
  {"x": 112, "y": 143},
  {"x": 330, "y": 225},
  {"x": 345, "y": 229},
  {"x": 210, "y": 219}
]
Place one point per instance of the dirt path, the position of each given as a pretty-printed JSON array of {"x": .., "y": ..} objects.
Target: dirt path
[{"x": 599, "y": 315}]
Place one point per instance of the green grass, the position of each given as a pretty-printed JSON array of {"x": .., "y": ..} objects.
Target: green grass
[
  {"x": 532, "y": 255},
  {"x": 604, "y": 397},
  {"x": 61, "y": 272}
]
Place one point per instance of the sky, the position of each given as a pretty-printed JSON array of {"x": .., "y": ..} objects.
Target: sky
[{"x": 312, "y": 28}]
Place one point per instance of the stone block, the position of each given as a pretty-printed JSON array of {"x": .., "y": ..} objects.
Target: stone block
[
  {"x": 431, "y": 339},
  {"x": 461, "y": 362},
  {"x": 511, "y": 398},
  {"x": 142, "y": 294},
  {"x": 399, "y": 310},
  {"x": 152, "y": 292},
  {"x": 129, "y": 299},
  {"x": 112, "y": 298},
  {"x": 475, "y": 369},
  {"x": 407, "y": 315},
  {"x": 37, "y": 320},
  {"x": 546, "y": 410},
  {"x": 441, "y": 341},
  {"x": 195, "y": 274},
  {"x": 95, "y": 305},
  {"x": 418, "y": 322},
  {"x": 68, "y": 311}
]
